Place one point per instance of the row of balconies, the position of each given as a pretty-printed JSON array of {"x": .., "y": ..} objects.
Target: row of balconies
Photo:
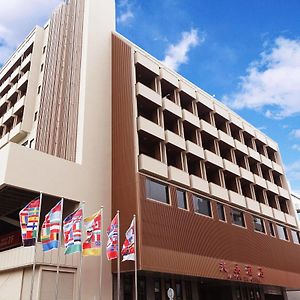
[
  {"x": 15, "y": 135},
  {"x": 152, "y": 166},
  {"x": 13, "y": 111}
]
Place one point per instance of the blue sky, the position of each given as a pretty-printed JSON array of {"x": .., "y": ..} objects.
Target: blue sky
[{"x": 246, "y": 53}]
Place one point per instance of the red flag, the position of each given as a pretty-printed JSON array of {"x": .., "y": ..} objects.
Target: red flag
[
  {"x": 112, "y": 247},
  {"x": 128, "y": 249}
]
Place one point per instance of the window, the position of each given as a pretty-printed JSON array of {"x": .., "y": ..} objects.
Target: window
[
  {"x": 272, "y": 231},
  {"x": 258, "y": 224},
  {"x": 39, "y": 89},
  {"x": 237, "y": 217},
  {"x": 295, "y": 236},
  {"x": 202, "y": 206},
  {"x": 42, "y": 67},
  {"x": 282, "y": 233},
  {"x": 221, "y": 213},
  {"x": 181, "y": 199},
  {"x": 44, "y": 49},
  {"x": 35, "y": 115},
  {"x": 31, "y": 143},
  {"x": 157, "y": 289},
  {"x": 157, "y": 191}
]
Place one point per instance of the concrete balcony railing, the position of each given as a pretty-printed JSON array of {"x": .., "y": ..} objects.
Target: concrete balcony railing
[
  {"x": 178, "y": 176},
  {"x": 236, "y": 121},
  {"x": 4, "y": 85},
  {"x": 187, "y": 88},
  {"x": 4, "y": 140},
  {"x": 153, "y": 166},
  {"x": 3, "y": 100},
  {"x": 12, "y": 91},
  {"x": 290, "y": 219},
  {"x": 247, "y": 174},
  {"x": 171, "y": 107},
  {"x": 198, "y": 184},
  {"x": 213, "y": 158},
  {"x": 253, "y": 205},
  {"x": 283, "y": 193},
  {"x": 279, "y": 215},
  {"x": 168, "y": 76},
  {"x": 272, "y": 187},
  {"x": 231, "y": 167},
  {"x": 14, "y": 74},
  {"x": 8, "y": 115},
  {"x": 266, "y": 161},
  {"x": 150, "y": 127},
  {"x": 205, "y": 100},
  {"x": 190, "y": 118},
  {"x": 145, "y": 61},
  {"x": 266, "y": 210},
  {"x": 254, "y": 154},
  {"x": 222, "y": 111},
  {"x": 23, "y": 80},
  {"x": 224, "y": 137},
  {"x": 175, "y": 139},
  {"x": 19, "y": 105},
  {"x": 25, "y": 62},
  {"x": 17, "y": 134},
  {"x": 218, "y": 191},
  {"x": 194, "y": 149},
  {"x": 237, "y": 199},
  {"x": 277, "y": 167},
  {"x": 205, "y": 126},
  {"x": 146, "y": 93},
  {"x": 241, "y": 147},
  {"x": 260, "y": 181}
]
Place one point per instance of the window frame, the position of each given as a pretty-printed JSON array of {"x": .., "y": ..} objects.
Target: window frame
[
  {"x": 287, "y": 239},
  {"x": 262, "y": 224},
  {"x": 185, "y": 199},
  {"x": 200, "y": 213},
  {"x": 218, "y": 204},
  {"x": 243, "y": 218},
  {"x": 297, "y": 235},
  {"x": 273, "y": 229},
  {"x": 148, "y": 179}
]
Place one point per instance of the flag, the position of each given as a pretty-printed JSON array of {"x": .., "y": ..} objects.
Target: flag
[
  {"x": 92, "y": 244},
  {"x": 112, "y": 246},
  {"x": 51, "y": 228},
  {"x": 29, "y": 221},
  {"x": 128, "y": 249},
  {"x": 73, "y": 231}
]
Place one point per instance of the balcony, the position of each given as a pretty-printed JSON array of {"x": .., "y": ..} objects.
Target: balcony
[
  {"x": 188, "y": 89},
  {"x": 231, "y": 167},
  {"x": 284, "y": 193},
  {"x": 190, "y": 118},
  {"x": 175, "y": 140},
  {"x": 23, "y": 80},
  {"x": 218, "y": 191},
  {"x": 143, "y": 91},
  {"x": 272, "y": 144},
  {"x": 266, "y": 161},
  {"x": 14, "y": 74},
  {"x": 12, "y": 91},
  {"x": 253, "y": 205},
  {"x": 19, "y": 105},
  {"x": 3, "y": 100},
  {"x": 146, "y": 62},
  {"x": 153, "y": 166},
  {"x": 205, "y": 100},
  {"x": 221, "y": 111},
  {"x": 290, "y": 220},
  {"x": 7, "y": 115},
  {"x": 272, "y": 187},
  {"x": 4, "y": 140},
  {"x": 236, "y": 121},
  {"x": 279, "y": 215},
  {"x": 260, "y": 181},
  {"x": 169, "y": 77},
  {"x": 277, "y": 167},
  {"x": 241, "y": 147},
  {"x": 194, "y": 149},
  {"x": 171, "y": 107},
  {"x": 205, "y": 126},
  {"x": 198, "y": 184},
  {"x": 17, "y": 134},
  {"x": 150, "y": 127},
  {"x": 254, "y": 154},
  {"x": 266, "y": 210},
  {"x": 213, "y": 158},
  {"x": 25, "y": 62},
  {"x": 178, "y": 176},
  {"x": 237, "y": 199},
  {"x": 247, "y": 175},
  {"x": 226, "y": 138},
  {"x": 4, "y": 85}
]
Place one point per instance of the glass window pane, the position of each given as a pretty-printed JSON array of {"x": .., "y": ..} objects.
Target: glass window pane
[
  {"x": 237, "y": 217},
  {"x": 258, "y": 224},
  {"x": 221, "y": 213},
  {"x": 181, "y": 199},
  {"x": 282, "y": 233},
  {"x": 295, "y": 236},
  {"x": 202, "y": 206},
  {"x": 157, "y": 191}
]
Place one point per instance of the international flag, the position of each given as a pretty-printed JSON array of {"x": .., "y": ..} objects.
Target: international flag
[
  {"x": 112, "y": 247},
  {"x": 128, "y": 249},
  {"x": 73, "y": 231},
  {"x": 51, "y": 228},
  {"x": 92, "y": 245},
  {"x": 29, "y": 221}
]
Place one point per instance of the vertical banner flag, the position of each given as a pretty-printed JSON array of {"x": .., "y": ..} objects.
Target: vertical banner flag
[
  {"x": 128, "y": 249},
  {"x": 51, "y": 228},
  {"x": 29, "y": 220},
  {"x": 92, "y": 245},
  {"x": 113, "y": 239},
  {"x": 73, "y": 231}
]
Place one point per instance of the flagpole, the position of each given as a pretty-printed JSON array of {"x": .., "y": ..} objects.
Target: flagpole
[
  {"x": 101, "y": 254},
  {"x": 35, "y": 245},
  {"x": 58, "y": 250},
  {"x": 135, "y": 259},
  {"x": 119, "y": 264},
  {"x": 80, "y": 253}
]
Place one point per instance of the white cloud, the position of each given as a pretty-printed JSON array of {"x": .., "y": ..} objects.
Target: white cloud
[
  {"x": 296, "y": 133},
  {"x": 272, "y": 84},
  {"x": 17, "y": 19},
  {"x": 126, "y": 12},
  {"x": 293, "y": 171},
  {"x": 178, "y": 54}
]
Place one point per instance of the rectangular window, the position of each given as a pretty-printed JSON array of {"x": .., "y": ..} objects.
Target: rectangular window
[
  {"x": 272, "y": 231},
  {"x": 237, "y": 217},
  {"x": 157, "y": 191},
  {"x": 258, "y": 224},
  {"x": 181, "y": 199},
  {"x": 39, "y": 89},
  {"x": 295, "y": 236},
  {"x": 202, "y": 206},
  {"x": 221, "y": 212},
  {"x": 282, "y": 233},
  {"x": 42, "y": 67}
]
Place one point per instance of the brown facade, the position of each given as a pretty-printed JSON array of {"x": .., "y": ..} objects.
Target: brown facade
[{"x": 58, "y": 117}]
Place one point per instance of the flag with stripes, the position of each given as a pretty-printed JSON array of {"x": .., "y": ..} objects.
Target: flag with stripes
[
  {"x": 112, "y": 247},
  {"x": 128, "y": 249},
  {"x": 51, "y": 228},
  {"x": 73, "y": 231},
  {"x": 29, "y": 220},
  {"x": 92, "y": 245}
]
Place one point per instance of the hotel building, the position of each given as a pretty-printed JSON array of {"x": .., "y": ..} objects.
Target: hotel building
[{"x": 88, "y": 116}]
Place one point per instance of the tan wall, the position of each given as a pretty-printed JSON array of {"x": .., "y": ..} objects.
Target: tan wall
[{"x": 11, "y": 284}]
